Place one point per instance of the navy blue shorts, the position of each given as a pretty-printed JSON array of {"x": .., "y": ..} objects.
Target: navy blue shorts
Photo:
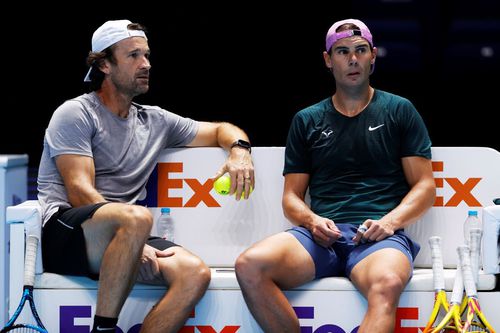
[
  {"x": 63, "y": 243},
  {"x": 340, "y": 258}
]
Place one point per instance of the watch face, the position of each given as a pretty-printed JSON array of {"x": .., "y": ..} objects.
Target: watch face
[{"x": 242, "y": 143}]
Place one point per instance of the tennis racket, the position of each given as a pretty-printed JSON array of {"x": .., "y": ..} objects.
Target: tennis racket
[
  {"x": 29, "y": 279},
  {"x": 475, "y": 319},
  {"x": 441, "y": 305},
  {"x": 452, "y": 321},
  {"x": 475, "y": 235}
]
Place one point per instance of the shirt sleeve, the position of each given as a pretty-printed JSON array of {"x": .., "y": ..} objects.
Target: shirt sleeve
[
  {"x": 181, "y": 130},
  {"x": 70, "y": 130},
  {"x": 415, "y": 137}
]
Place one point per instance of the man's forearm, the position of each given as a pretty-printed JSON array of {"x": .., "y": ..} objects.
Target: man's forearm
[
  {"x": 420, "y": 198},
  {"x": 81, "y": 195},
  {"x": 228, "y": 133}
]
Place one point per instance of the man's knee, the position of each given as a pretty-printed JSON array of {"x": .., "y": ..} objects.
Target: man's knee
[
  {"x": 248, "y": 267},
  {"x": 389, "y": 287},
  {"x": 195, "y": 267},
  {"x": 394, "y": 282},
  {"x": 188, "y": 269},
  {"x": 136, "y": 219}
]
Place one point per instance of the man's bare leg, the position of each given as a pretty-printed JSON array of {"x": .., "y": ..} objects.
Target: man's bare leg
[
  {"x": 381, "y": 277},
  {"x": 188, "y": 279},
  {"x": 278, "y": 262},
  {"x": 115, "y": 237}
]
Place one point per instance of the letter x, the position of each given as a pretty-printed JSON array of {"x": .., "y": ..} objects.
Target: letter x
[
  {"x": 201, "y": 193},
  {"x": 463, "y": 192}
]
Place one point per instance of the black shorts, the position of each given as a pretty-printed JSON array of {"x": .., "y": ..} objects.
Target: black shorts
[{"x": 63, "y": 243}]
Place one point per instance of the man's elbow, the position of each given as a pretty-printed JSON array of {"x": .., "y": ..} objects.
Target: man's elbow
[
  {"x": 285, "y": 206},
  {"x": 430, "y": 193}
]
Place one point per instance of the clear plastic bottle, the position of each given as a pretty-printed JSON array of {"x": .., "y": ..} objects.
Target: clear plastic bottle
[
  {"x": 472, "y": 221},
  {"x": 165, "y": 225},
  {"x": 473, "y": 231}
]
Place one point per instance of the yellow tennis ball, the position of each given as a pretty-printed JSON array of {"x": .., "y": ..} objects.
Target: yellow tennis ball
[
  {"x": 243, "y": 193},
  {"x": 222, "y": 185}
]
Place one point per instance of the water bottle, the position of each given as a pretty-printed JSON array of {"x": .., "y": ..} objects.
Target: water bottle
[
  {"x": 471, "y": 222},
  {"x": 165, "y": 225}
]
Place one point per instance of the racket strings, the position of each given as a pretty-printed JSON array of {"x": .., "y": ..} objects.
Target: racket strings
[
  {"x": 473, "y": 322},
  {"x": 23, "y": 328}
]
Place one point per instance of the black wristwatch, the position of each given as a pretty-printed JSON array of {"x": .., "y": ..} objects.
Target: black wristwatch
[{"x": 242, "y": 144}]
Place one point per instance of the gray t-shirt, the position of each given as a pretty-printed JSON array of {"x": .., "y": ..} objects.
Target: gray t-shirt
[{"x": 125, "y": 150}]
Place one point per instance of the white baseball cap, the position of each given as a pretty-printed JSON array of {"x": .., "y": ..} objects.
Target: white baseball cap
[{"x": 109, "y": 33}]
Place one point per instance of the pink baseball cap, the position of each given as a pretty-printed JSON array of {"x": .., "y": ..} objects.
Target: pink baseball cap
[
  {"x": 109, "y": 33},
  {"x": 332, "y": 36}
]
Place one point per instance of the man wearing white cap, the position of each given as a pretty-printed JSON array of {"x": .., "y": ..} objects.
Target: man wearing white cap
[
  {"x": 99, "y": 150},
  {"x": 365, "y": 157}
]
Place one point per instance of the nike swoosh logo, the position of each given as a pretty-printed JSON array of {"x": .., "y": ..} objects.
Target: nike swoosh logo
[
  {"x": 374, "y": 128},
  {"x": 103, "y": 329}
]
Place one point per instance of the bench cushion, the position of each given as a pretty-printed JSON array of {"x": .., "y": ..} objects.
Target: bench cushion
[{"x": 225, "y": 279}]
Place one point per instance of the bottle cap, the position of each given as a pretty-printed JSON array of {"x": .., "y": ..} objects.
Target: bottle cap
[
  {"x": 165, "y": 210},
  {"x": 472, "y": 212}
]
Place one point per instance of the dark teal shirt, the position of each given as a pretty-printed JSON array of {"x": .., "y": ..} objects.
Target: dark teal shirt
[{"x": 354, "y": 163}]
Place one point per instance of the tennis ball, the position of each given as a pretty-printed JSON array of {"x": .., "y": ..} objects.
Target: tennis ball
[{"x": 222, "y": 185}]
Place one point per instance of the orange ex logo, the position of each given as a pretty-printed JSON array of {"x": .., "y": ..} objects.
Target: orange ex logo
[
  {"x": 165, "y": 183},
  {"x": 463, "y": 191}
]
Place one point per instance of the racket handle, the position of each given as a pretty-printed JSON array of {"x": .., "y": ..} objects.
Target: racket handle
[
  {"x": 437, "y": 263},
  {"x": 475, "y": 243},
  {"x": 458, "y": 287},
  {"x": 470, "y": 286},
  {"x": 30, "y": 260}
]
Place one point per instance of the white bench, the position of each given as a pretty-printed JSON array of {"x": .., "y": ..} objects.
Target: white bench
[{"x": 218, "y": 228}]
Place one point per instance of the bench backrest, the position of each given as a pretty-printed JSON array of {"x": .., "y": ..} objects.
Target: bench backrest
[{"x": 218, "y": 228}]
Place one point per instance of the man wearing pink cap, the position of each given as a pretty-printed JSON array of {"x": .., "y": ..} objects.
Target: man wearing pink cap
[
  {"x": 99, "y": 150},
  {"x": 364, "y": 155}
]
